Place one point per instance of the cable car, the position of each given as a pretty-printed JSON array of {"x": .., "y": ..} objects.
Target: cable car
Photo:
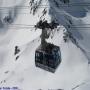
[{"x": 48, "y": 58}]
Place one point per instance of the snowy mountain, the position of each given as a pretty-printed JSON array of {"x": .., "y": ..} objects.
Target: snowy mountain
[{"x": 18, "y": 70}]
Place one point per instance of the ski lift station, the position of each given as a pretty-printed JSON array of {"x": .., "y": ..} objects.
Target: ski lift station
[{"x": 48, "y": 58}]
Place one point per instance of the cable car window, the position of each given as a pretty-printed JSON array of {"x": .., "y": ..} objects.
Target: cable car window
[{"x": 39, "y": 57}]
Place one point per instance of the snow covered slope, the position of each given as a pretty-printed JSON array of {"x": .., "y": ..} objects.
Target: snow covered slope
[
  {"x": 75, "y": 17},
  {"x": 19, "y": 70}
]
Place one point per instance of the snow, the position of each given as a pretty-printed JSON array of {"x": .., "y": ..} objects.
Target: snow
[
  {"x": 25, "y": 75},
  {"x": 74, "y": 68}
]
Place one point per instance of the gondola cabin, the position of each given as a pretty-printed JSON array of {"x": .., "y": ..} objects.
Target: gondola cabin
[{"x": 48, "y": 58}]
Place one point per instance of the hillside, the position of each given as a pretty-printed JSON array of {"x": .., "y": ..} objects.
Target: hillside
[{"x": 19, "y": 70}]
